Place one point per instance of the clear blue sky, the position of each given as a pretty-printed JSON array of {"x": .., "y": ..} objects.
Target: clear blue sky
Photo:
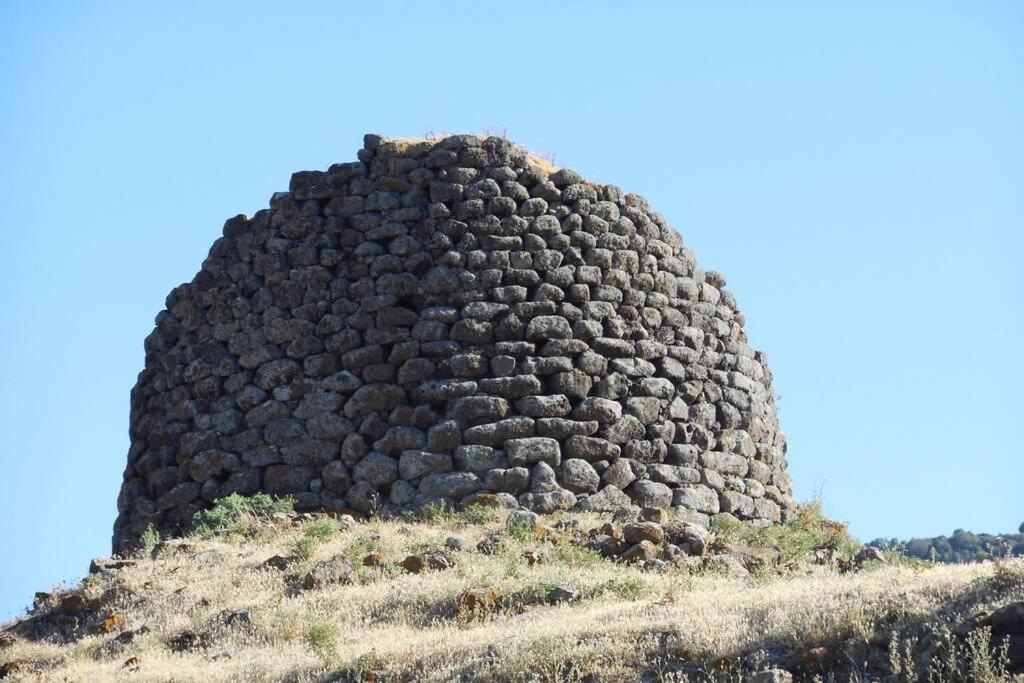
[{"x": 855, "y": 169}]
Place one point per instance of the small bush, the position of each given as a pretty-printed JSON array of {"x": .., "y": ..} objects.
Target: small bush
[
  {"x": 360, "y": 547},
  {"x": 575, "y": 556},
  {"x": 238, "y": 514},
  {"x": 959, "y": 659},
  {"x": 323, "y": 638},
  {"x": 304, "y": 548},
  {"x": 726, "y": 527},
  {"x": 433, "y": 513},
  {"x": 149, "y": 540},
  {"x": 477, "y": 514},
  {"x": 321, "y": 529},
  {"x": 1008, "y": 574},
  {"x": 532, "y": 594},
  {"x": 519, "y": 532},
  {"x": 313, "y": 534},
  {"x": 626, "y": 588},
  {"x": 809, "y": 530}
]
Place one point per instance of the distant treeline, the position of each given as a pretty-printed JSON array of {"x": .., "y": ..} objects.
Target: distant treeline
[{"x": 962, "y": 546}]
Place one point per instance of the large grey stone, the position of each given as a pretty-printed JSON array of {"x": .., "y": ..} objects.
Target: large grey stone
[
  {"x": 646, "y": 493},
  {"x": 415, "y": 464},
  {"x": 579, "y": 476},
  {"x": 370, "y": 398},
  {"x": 377, "y": 469},
  {"x": 530, "y": 451},
  {"x": 699, "y": 498},
  {"x": 448, "y": 485}
]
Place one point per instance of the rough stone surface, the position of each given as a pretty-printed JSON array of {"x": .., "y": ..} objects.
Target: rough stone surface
[{"x": 343, "y": 345}]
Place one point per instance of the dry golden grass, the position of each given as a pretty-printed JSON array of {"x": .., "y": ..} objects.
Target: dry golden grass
[
  {"x": 401, "y": 626},
  {"x": 544, "y": 163}
]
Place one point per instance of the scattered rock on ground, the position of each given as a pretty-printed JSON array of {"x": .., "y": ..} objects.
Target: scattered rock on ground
[
  {"x": 278, "y": 562},
  {"x": 433, "y": 560},
  {"x": 459, "y": 543},
  {"x": 337, "y": 570},
  {"x": 643, "y": 531},
  {"x": 726, "y": 564},
  {"x": 772, "y": 676},
  {"x": 644, "y": 550},
  {"x": 563, "y": 594}
]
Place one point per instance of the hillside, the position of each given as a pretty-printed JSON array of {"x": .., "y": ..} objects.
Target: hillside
[{"x": 264, "y": 595}]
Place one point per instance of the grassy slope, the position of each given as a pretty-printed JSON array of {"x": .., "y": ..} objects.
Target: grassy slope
[{"x": 628, "y": 621}]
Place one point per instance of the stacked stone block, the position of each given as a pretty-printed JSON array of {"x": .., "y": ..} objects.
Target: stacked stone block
[{"x": 452, "y": 321}]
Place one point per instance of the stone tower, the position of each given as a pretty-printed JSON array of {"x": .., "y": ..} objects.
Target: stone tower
[{"x": 453, "y": 321}]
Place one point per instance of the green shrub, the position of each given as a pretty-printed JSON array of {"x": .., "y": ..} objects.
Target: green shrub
[
  {"x": 323, "y": 638},
  {"x": 575, "y": 556},
  {"x": 808, "y": 530},
  {"x": 321, "y": 529},
  {"x": 433, "y": 513},
  {"x": 626, "y": 588},
  {"x": 314, "y": 533},
  {"x": 477, "y": 514},
  {"x": 519, "y": 532},
  {"x": 304, "y": 548},
  {"x": 238, "y": 514},
  {"x": 532, "y": 594},
  {"x": 149, "y": 540},
  {"x": 726, "y": 527}
]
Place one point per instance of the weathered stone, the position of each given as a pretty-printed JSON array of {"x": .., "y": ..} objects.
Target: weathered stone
[
  {"x": 337, "y": 570},
  {"x": 513, "y": 480},
  {"x": 643, "y": 531},
  {"x": 460, "y": 544},
  {"x": 546, "y": 502},
  {"x": 470, "y": 408},
  {"x": 400, "y": 438},
  {"x": 449, "y": 485},
  {"x": 619, "y": 474},
  {"x": 699, "y": 498},
  {"x": 694, "y": 538},
  {"x": 560, "y": 428},
  {"x": 591, "y": 449},
  {"x": 431, "y": 560},
  {"x": 511, "y": 387},
  {"x": 563, "y": 594},
  {"x": 282, "y": 480},
  {"x": 532, "y": 450},
  {"x": 643, "y": 550},
  {"x": 548, "y": 327},
  {"x": 476, "y": 458},
  {"x": 673, "y": 475},
  {"x": 413, "y": 465},
  {"x": 497, "y": 433},
  {"x": 736, "y": 503},
  {"x": 373, "y": 397},
  {"x": 608, "y": 499},
  {"x": 602, "y": 410},
  {"x": 376, "y": 469},
  {"x": 726, "y": 564},
  {"x": 556, "y": 405},
  {"x": 336, "y": 478},
  {"x": 579, "y": 476},
  {"x": 646, "y": 493}
]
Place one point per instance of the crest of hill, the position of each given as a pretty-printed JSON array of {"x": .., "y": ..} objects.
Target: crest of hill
[{"x": 259, "y": 593}]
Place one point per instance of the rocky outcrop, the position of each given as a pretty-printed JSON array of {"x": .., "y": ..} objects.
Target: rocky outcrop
[{"x": 444, "y": 319}]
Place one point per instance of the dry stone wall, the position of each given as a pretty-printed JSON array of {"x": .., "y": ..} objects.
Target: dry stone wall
[{"x": 452, "y": 321}]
